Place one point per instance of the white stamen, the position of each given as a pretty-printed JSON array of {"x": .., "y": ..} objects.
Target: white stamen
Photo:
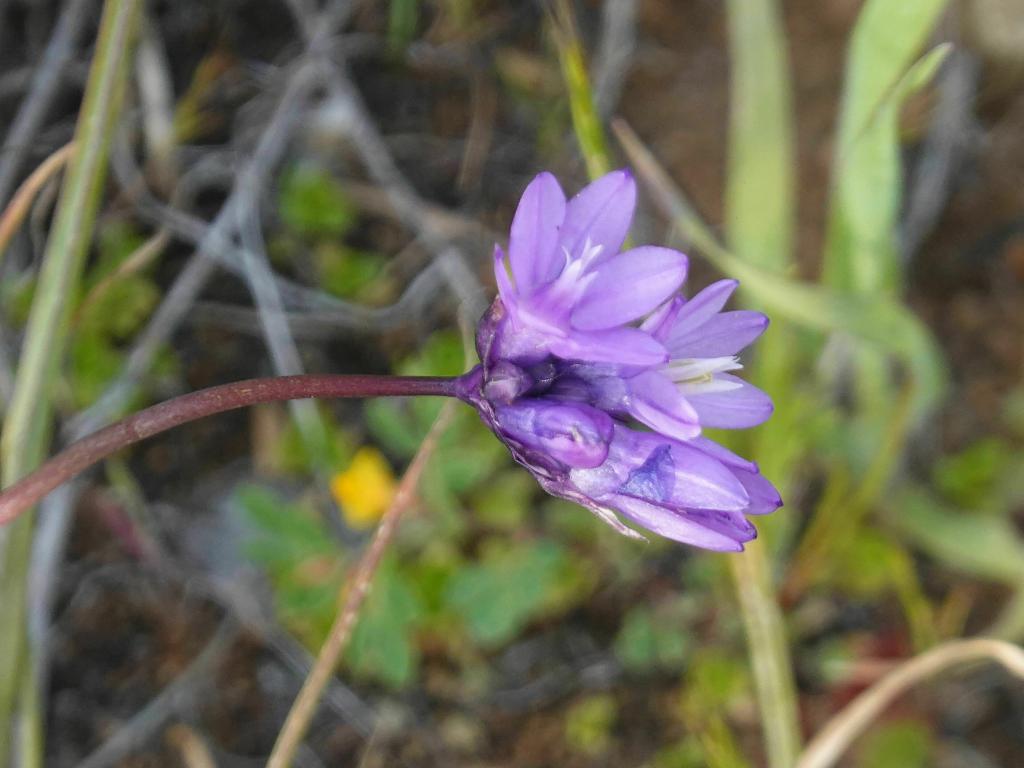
[{"x": 702, "y": 368}]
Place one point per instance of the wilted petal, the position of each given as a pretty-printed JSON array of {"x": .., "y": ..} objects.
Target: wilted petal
[
  {"x": 656, "y": 401},
  {"x": 623, "y": 346},
  {"x": 724, "y": 334},
  {"x": 601, "y": 214},
  {"x": 675, "y": 525},
  {"x": 629, "y": 286},
  {"x": 533, "y": 240},
  {"x": 738, "y": 408}
]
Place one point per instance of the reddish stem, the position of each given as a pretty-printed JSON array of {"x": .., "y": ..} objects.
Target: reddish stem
[{"x": 80, "y": 455}]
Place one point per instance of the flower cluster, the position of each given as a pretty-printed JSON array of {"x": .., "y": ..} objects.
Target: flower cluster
[{"x": 584, "y": 343}]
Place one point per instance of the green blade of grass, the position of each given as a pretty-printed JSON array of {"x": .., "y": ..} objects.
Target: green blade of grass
[
  {"x": 861, "y": 250},
  {"x": 860, "y": 246},
  {"x": 27, "y": 422},
  {"x": 585, "y": 120}
]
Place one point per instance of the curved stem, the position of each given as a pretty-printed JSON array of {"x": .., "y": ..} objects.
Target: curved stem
[
  {"x": 828, "y": 746},
  {"x": 78, "y": 456}
]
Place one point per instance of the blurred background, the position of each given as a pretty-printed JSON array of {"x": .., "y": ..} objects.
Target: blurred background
[{"x": 299, "y": 186}]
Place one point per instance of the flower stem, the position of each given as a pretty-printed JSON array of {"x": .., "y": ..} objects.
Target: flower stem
[{"x": 25, "y": 493}]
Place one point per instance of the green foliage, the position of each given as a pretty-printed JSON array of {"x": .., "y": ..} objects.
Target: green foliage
[
  {"x": 383, "y": 643},
  {"x": 510, "y": 586},
  {"x": 115, "y": 307},
  {"x": 403, "y": 17},
  {"x": 589, "y": 723},
  {"x": 656, "y": 637},
  {"x": 306, "y": 569},
  {"x": 970, "y": 478},
  {"x": 905, "y": 744},
  {"x": 981, "y": 545},
  {"x": 350, "y": 273},
  {"x": 312, "y": 203}
]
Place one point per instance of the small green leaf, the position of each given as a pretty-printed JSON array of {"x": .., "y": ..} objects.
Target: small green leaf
[
  {"x": 896, "y": 745},
  {"x": 508, "y": 588},
  {"x": 969, "y": 478},
  {"x": 403, "y": 16},
  {"x": 283, "y": 524},
  {"x": 382, "y": 643},
  {"x": 653, "y": 638},
  {"x": 589, "y": 723},
  {"x": 982, "y": 545},
  {"x": 313, "y": 203}
]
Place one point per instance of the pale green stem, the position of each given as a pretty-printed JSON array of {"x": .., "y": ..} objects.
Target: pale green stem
[
  {"x": 768, "y": 649},
  {"x": 27, "y": 422}
]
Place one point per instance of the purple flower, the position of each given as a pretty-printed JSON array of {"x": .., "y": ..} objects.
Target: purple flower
[{"x": 583, "y": 341}]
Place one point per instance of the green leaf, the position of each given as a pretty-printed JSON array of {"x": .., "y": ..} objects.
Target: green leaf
[
  {"x": 403, "y": 15},
  {"x": 504, "y": 502},
  {"x": 382, "y": 643},
  {"x": 654, "y": 638},
  {"x": 982, "y": 545},
  {"x": 896, "y": 745},
  {"x": 970, "y": 477},
  {"x": 589, "y": 723},
  {"x": 861, "y": 248},
  {"x": 509, "y": 587},
  {"x": 285, "y": 526},
  {"x": 313, "y": 203}
]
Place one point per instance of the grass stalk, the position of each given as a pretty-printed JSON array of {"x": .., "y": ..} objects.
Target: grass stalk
[
  {"x": 27, "y": 422},
  {"x": 768, "y": 649}
]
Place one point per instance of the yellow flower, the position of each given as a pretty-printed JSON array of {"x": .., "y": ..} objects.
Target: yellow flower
[{"x": 365, "y": 489}]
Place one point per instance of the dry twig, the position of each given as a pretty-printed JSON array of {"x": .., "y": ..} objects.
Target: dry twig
[{"x": 835, "y": 738}]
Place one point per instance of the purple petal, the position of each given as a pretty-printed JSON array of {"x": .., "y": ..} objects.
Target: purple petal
[
  {"x": 574, "y": 434},
  {"x": 674, "y": 525},
  {"x": 745, "y": 406},
  {"x": 629, "y": 286},
  {"x": 702, "y": 307},
  {"x": 601, "y": 213},
  {"x": 764, "y": 498},
  {"x": 723, "y": 454},
  {"x": 533, "y": 240},
  {"x": 624, "y": 346},
  {"x": 724, "y": 334},
  {"x": 657, "y": 402},
  {"x": 731, "y": 524},
  {"x": 701, "y": 482},
  {"x": 661, "y": 320}
]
